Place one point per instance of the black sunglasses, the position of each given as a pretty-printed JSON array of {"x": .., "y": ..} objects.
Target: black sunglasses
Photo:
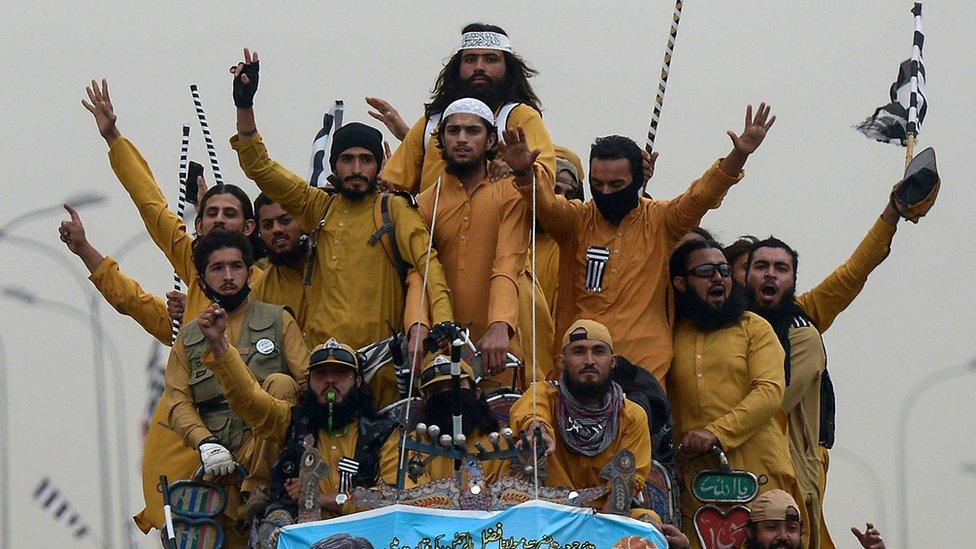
[
  {"x": 338, "y": 353},
  {"x": 707, "y": 270}
]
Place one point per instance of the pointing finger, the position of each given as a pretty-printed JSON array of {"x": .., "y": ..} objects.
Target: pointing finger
[{"x": 72, "y": 212}]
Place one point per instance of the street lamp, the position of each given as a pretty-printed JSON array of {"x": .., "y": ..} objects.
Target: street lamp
[
  {"x": 98, "y": 338},
  {"x": 908, "y": 402}
]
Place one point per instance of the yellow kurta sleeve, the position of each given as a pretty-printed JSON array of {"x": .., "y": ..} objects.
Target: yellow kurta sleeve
[
  {"x": 127, "y": 297},
  {"x": 296, "y": 351},
  {"x": 557, "y": 215},
  {"x": 807, "y": 362},
  {"x": 303, "y": 202},
  {"x": 165, "y": 227},
  {"x": 523, "y": 412},
  {"x": 765, "y": 359},
  {"x": 510, "y": 254},
  {"x": 413, "y": 313},
  {"x": 412, "y": 239},
  {"x": 183, "y": 415},
  {"x": 829, "y": 298},
  {"x": 637, "y": 438},
  {"x": 685, "y": 211},
  {"x": 267, "y": 416},
  {"x": 404, "y": 168}
]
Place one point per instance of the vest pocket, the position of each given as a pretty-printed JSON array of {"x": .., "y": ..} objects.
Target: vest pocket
[
  {"x": 204, "y": 385},
  {"x": 227, "y": 427}
]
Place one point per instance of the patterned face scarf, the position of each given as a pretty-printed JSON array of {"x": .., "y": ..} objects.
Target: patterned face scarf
[{"x": 589, "y": 430}]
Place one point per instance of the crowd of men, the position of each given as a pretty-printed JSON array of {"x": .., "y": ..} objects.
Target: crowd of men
[{"x": 478, "y": 220}]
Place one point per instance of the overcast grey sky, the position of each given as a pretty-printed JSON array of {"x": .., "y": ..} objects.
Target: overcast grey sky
[{"x": 815, "y": 182}]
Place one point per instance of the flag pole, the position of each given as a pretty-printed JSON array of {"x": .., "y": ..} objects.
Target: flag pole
[
  {"x": 912, "y": 127},
  {"x": 662, "y": 86}
]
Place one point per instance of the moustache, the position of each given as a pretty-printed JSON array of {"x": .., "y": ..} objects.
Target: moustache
[{"x": 352, "y": 178}]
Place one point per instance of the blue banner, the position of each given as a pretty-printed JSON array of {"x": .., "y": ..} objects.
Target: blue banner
[{"x": 531, "y": 525}]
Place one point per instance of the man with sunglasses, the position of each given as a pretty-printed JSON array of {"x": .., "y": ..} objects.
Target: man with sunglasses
[
  {"x": 336, "y": 410},
  {"x": 726, "y": 380}
]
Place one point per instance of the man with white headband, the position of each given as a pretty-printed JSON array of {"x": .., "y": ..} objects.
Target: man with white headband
[
  {"x": 483, "y": 67},
  {"x": 481, "y": 237}
]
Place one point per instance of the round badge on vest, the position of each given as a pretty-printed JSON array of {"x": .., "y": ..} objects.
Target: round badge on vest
[{"x": 265, "y": 346}]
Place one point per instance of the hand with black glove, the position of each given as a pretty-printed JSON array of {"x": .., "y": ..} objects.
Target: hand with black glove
[
  {"x": 217, "y": 460},
  {"x": 245, "y": 80}
]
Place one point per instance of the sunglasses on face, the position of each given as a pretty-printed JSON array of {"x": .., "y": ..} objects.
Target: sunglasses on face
[{"x": 707, "y": 270}]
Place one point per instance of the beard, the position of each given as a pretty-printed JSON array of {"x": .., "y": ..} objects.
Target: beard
[
  {"x": 475, "y": 413},
  {"x": 355, "y": 195},
  {"x": 786, "y": 304},
  {"x": 358, "y": 403},
  {"x": 461, "y": 169},
  {"x": 587, "y": 391},
  {"x": 489, "y": 93},
  {"x": 707, "y": 317},
  {"x": 292, "y": 257}
]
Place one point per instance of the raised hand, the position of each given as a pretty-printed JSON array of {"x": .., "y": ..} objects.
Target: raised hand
[
  {"x": 754, "y": 131},
  {"x": 389, "y": 116},
  {"x": 213, "y": 324},
  {"x": 100, "y": 105},
  {"x": 649, "y": 160},
  {"x": 245, "y": 80},
  {"x": 72, "y": 232},
  {"x": 175, "y": 305},
  {"x": 515, "y": 151},
  {"x": 870, "y": 538}
]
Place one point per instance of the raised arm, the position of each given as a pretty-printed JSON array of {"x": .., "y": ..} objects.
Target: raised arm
[
  {"x": 120, "y": 291},
  {"x": 165, "y": 228},
  {"x": 305, "y": 203},
  {"x": 836, "y": 292},
  {"x": 404, "y": 168},
  {"x": 686, "y": 211},
  {"x": 267, "y": 416},
  {"x": 557, "y": 215}
]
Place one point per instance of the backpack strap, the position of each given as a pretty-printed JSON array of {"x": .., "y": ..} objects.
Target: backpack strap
[
  {"x": 313, "y": 239},
  {"x": 501, "y": 121},
  {"x": 430, "y": 128},
  {"x": 386, "y": 235}
]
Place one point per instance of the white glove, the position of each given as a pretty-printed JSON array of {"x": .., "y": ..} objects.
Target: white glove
[{"x": 217, "y": 460}]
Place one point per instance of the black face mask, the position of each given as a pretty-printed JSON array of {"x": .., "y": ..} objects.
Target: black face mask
[
  {"x": 229, "y": 303},
  {"x": 439, "y": 411},
  {"x": 614, "y": 207}
]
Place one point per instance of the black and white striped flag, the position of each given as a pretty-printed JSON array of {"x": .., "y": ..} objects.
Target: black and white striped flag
[
  {"x": 596, "y": 263},
  {"x": 53, "y": 502},
  {"x": 155, "y": 372},
  {"x": 894, "y": 122},
  {"x": 347, "y": 473},
  {"x": 320, "y": 145}
]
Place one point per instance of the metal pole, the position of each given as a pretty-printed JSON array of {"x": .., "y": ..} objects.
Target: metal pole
[
  {"x": 908, "y": 402},
  {"x": 872, "y": 477},
  {"x": 97, "y": 332},
  {"x": 5, "y": 450}
]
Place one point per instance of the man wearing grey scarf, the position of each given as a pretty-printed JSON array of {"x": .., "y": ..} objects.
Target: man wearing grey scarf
[{"x": 584, "y": 418}]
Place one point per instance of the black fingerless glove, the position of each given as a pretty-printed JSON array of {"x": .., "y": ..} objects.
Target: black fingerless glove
[{"x": 244, "y": 94}]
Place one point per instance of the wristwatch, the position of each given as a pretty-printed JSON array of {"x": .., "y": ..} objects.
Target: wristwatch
[{"x": 341, "y": 499}]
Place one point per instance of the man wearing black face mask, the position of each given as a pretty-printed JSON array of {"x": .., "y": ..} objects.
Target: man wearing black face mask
[
  {"x": 364, "y": 243},
  {"x": 476, "y": 419},
  {"x": 614, "y": 250},
  {"x": 264, "y": 336}
]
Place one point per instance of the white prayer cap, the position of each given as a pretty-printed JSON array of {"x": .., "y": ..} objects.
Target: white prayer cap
[
  {"x": 470, "y": 105},
  {"x": 484, "y": 40}
]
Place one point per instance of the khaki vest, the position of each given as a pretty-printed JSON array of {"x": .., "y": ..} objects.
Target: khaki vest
[{"x": 261, "y": 331}]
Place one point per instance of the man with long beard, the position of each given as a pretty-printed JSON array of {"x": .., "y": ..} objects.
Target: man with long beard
[
  {"x": 485, "y": 67},
  {"x": 287, "y": 247},
  {"x": 799, "y": 322},
  {"x": 726, "y": 381},
  {"x": 585, "y": 419},
  {"x": 274, "y": 356},
  {"x": 614, "y": 249},
  {"x": 364, "y": 243},
  {"x": 336, "y": 410},
  {"x": 481, "y": 236}
]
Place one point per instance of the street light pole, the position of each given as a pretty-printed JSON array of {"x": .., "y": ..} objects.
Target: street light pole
[
  {"x": 908, "y": 402},
  {"x": 870, "y": 474},
  {"x": 97, "y": 334},
  {"x": 5, "y": 450}
]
